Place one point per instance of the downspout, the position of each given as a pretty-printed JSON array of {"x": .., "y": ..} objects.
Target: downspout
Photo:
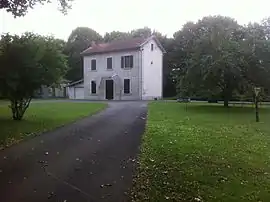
[{"x": 141, "y": 76}]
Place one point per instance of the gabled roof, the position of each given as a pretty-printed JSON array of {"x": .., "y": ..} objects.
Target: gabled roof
[{"x": 120, "y": 45}]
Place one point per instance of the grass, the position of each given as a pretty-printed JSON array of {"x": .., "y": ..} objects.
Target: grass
[
  {"x": 207, "y": 153},
  {"x": 41, "y": 117}
]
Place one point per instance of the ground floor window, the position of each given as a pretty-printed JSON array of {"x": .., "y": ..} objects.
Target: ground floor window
[
  {"x": 93, "y": 87},
  {"x": 126, "y": 86}
]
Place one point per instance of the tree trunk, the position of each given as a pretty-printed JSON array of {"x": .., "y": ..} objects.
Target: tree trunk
[
  {"x": 226, "y": 102},
  {"x": 18, "y": 108},
  {"x": 227, "y": 95}
]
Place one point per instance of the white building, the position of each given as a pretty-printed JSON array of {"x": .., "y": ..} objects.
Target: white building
[{"x": 121, "y": 70}]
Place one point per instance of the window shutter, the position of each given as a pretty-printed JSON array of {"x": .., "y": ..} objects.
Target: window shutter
[
  {"x": 93, "y": 64},
  {"x": 131, "y": 61},
  {"x": 109, "y": 63},
  {"x": 122, "y": 62},
  {"x": 126, "y": 86}
]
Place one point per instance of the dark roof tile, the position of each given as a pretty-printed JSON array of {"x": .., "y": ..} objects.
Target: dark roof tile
[{"x": 118, "y": 45}]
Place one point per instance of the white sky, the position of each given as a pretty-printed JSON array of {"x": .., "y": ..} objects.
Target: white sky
[{"x": 124, "y": 15}]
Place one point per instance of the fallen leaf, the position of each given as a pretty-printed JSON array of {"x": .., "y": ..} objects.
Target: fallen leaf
[
  {"x": 50, "y": 194},
  {"x": 105, "y": 185},
  {"x": 197, "y": 199}
]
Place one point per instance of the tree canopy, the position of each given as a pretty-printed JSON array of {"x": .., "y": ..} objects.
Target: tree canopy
[
  {"x": 20, "y": 7},
  {"x": 79, "y": 39},
  {"x": 116, "y": 35},
  {"x": 27, "y": 63},
  {"x": 218, "y": 58}
]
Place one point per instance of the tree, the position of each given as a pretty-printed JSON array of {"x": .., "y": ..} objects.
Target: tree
[
  {"x": 28, "y": 62},
  {"x": 20, "y": 7},
  {"x": 169, "y": 89},
  {"x": 116, "y": 35},
  {"x": 141, "y": 32},
  {"x": 217, "y": 57},
  {"x": 79, "y": 40}
]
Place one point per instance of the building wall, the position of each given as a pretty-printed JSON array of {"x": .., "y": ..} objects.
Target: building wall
[
  {"x": 71, "y": 90},
  {"x": 152, "y": 71},
  {"x": 134, "y": 74}
]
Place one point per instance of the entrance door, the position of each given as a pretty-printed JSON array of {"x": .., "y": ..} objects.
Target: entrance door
[{"x": 109, "y": 89}]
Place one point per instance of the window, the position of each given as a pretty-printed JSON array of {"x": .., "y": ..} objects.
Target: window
[
  {"x": 152, "y": 47},
  {"x": 109, "y": 63},
  {"x": 93, "y": 87},
  {"x": 127, "y": 61},
  {"x": 93, "y": 64},
  {"x": 126, "y": 86}
]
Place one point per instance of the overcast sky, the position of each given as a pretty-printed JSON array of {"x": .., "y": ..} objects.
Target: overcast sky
[{"x": 107, "y": 15}]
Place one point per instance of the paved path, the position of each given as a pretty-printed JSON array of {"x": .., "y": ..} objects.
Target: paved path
[{"x": 89, "y": 160}]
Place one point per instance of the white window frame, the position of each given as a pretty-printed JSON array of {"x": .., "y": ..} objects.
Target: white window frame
[
  {"x": 91, "y": 64},
  {"x": 125, "y": 62},
  {"x": 130, "y": 87},
  {"x": 91, "y": 87},
  {"x": 107, "y": 63}
]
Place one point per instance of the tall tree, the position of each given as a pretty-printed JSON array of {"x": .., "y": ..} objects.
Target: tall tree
[
  {"x": 169, "y": 88},
  {"x": 79, "y": 39},
  {"x": 141, "y": 32},
  {"x": 116, "y": 35},
  {"x": 28, "y": 62},
  {"x": 20, "y": 7},
  {"x": 216, "y": 58}
]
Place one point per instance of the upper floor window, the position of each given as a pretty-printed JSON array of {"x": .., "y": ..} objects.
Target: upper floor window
[
  {"x": 152, "y": 47},
  {"x": 127, "y": 61},
  {"x": 93, "y": 64},
  {"x": 109, "y": 63}
]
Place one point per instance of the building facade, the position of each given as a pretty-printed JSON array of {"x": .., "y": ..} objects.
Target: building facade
[{"x": 124, "y": 70}]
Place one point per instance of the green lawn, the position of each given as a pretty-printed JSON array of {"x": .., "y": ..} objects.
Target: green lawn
[
  {"x": 207, "y": 153},
  {"x": 41, "y": 117}
]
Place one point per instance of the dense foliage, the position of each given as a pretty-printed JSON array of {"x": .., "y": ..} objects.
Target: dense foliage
[
  {"x": 20, "y": 7},
  {"x": 28, "y": 62},
  {"x": 217, "y": 58},
  {"x": 79, "y": 39}
]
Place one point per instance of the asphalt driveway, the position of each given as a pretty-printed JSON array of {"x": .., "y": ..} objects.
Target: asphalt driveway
[{"x": 90, "y": 160}]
